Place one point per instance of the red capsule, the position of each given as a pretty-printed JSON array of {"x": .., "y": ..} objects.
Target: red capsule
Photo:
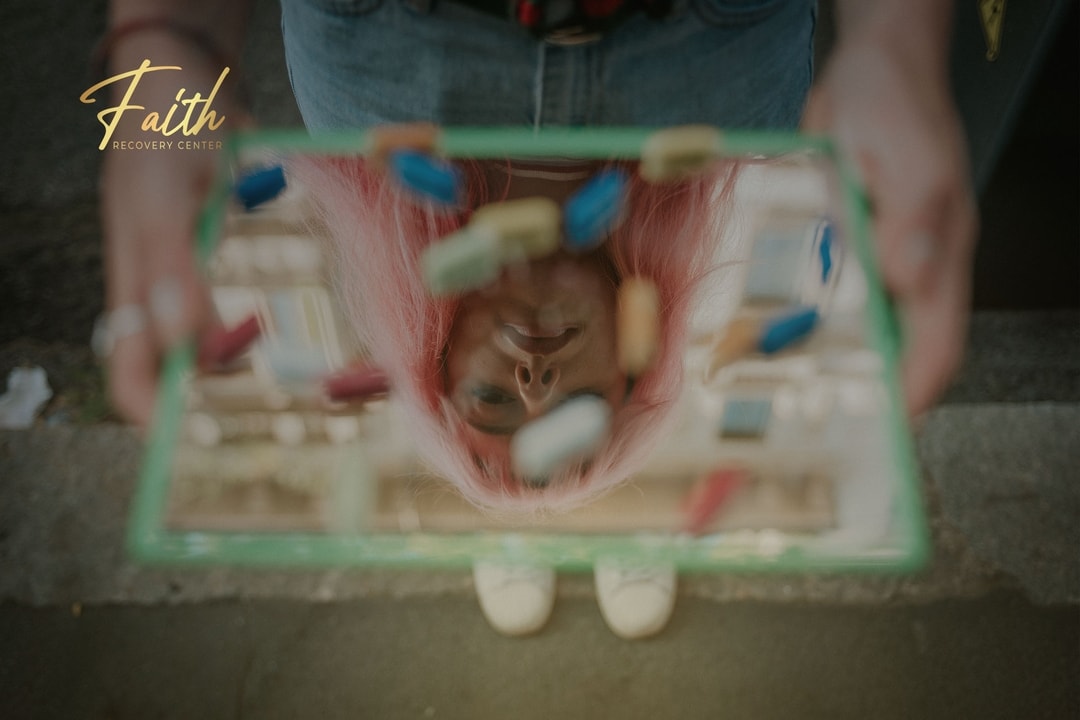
[
  {"x": 222, "y": 345},
  {"x": 709, "y": 496},
  {"x": 359, "y": 382}
]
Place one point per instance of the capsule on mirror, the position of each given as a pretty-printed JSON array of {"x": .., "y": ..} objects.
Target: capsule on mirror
[
  {"x": 256, "y": 187},
  {"x": 637, "y": 325},
  {"x": 782, "y": 332},
  {"x": 746, "y": 335},
  {"x": 466, "y": 260},
  {"x": 421, "y": 137},
  {"x": 825, "y": 251},
  {"x": 572, "y": 432},
  {"x": 740, "y": 338},
  {"x": 527, "y": 229},
  {"x": 595, "y": 211},
  {"x": 427, "y": 176},
  {"x": 708, "y": 497},
  {"x": 359, "y": 382},
  {"x": 676, "y": 153},
  {"x": 223, "y": 345}
]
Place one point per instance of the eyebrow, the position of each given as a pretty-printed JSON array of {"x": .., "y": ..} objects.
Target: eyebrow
[{"x": 482, "y": 389}]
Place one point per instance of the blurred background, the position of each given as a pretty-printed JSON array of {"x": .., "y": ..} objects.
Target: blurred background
[{"x": 990, "y": 629}]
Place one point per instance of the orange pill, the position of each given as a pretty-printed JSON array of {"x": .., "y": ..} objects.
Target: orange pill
[
  {"x": 739, "y": 340},
  {"x": 420, "y": 137}
]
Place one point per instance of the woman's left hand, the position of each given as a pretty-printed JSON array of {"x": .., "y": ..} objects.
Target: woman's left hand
[{"x": 884, "y": 98}]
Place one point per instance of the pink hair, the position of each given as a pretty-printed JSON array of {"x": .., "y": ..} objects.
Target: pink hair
[{"x": 378, "y": 232}]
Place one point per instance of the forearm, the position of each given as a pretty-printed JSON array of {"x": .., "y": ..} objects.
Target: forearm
[
  {"x": 923, "y": 26},
  {"x": 202, "y": 38},
  {"x": 224, "y": 22}
]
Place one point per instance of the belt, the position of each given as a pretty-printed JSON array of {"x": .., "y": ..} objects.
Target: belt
[{"x": 562, "y": 22}]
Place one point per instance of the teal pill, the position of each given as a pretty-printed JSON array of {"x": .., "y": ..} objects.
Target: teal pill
[
  {"x": 595, "y": 210},
  {"x": 426, "y": 176},
  {"x": 259, "y": 186},
  {"x": 787, "y": 330},
  {"x": 825, "y": 251}
]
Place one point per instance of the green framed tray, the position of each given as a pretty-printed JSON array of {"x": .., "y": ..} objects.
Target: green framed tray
[{"x": 901, "y": 546}]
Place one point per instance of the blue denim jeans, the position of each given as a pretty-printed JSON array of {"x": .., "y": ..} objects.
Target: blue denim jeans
[{"x": 732, "y": 63}]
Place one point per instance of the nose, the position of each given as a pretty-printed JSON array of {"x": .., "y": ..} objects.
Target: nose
[{"x": 536, "y": 379}]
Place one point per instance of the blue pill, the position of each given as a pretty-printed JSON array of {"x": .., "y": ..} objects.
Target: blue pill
[
  {"x": 595, "y": 210},
  {"x": 825, "y": 251},
  {"x": 434, "y": 179},
  {"x": 259, "y": 186},
  {"x": 787, "y": 330}
]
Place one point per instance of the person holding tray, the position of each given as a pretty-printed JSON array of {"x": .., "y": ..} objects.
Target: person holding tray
[{"x": 884, "y": 96}]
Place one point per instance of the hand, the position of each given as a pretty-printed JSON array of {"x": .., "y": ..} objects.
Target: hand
[
  {"x": 150, "y": 204},
  {"x": 885, "y": 99}
]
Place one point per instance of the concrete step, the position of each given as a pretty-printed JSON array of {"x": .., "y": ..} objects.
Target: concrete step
[{"x": 1000, "y": 483}]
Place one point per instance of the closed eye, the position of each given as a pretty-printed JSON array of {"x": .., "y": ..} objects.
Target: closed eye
[{"x": 492, "y": 395}]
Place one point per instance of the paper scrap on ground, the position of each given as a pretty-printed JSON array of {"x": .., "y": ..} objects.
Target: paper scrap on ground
[{"x": 27, "y": 392}]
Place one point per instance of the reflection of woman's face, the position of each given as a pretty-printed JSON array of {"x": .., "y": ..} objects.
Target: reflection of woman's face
[{"x": 541, "y": 334}]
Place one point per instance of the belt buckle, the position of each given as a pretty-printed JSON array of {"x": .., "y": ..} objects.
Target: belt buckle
[{"x": 570, "y": 35}]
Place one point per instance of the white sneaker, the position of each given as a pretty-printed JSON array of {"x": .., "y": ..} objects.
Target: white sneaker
[
  {"x": 635, "y": 600},
  {"x": 516, "y": 599}
]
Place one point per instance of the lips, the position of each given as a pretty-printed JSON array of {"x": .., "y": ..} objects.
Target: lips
[{"x": 540, "y": 341}]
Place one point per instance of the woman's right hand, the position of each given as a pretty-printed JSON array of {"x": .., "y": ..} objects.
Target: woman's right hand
[{"x": 150, "y": 204}]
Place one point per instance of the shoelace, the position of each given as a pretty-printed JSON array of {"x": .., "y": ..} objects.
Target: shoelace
[
  {"x": 518, "y": 573},
  {"x": 631, "y": 575}
]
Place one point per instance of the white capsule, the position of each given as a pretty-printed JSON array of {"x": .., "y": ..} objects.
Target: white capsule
[
  {"x": 569, "y": 433},
  {"x": 464, "y": 261}
]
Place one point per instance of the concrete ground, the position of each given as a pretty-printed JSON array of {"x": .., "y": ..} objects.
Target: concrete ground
[
  {"x": 990, "y": 629},
  {"x": 435, "y": 658}
]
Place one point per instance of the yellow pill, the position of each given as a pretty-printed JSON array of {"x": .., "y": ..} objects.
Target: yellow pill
[
  {"x": 638, "y": 325},
  {"x": 527, "y": 229},
  {"x": 675, "y": 153}
]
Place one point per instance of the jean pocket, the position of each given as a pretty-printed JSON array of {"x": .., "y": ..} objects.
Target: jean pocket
[
  {"x": 735, "y": 12},
  {"x": 345, "y": 7}
]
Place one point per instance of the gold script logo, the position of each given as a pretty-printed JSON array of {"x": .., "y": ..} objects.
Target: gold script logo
[{"x": 153, "y": 121}]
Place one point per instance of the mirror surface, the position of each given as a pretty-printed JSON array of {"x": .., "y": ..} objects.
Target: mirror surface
[{"x": 539, "y": 346}]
